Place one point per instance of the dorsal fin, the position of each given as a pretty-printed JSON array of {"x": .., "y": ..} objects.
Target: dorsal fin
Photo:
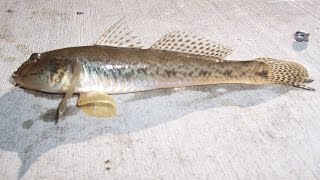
[
  {"x": 183, "y": 42},
  {"x": 119, "y": 35}
]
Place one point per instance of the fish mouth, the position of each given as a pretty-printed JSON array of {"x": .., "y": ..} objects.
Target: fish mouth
[{"x": 15, "y": 78}]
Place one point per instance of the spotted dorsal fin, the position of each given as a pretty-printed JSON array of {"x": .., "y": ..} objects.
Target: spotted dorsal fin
[
  {"x": 192, "y": 45},
  {"x": 119, "y": 35}
]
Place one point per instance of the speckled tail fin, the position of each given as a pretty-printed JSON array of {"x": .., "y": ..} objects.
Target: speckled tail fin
[
  {"x": 287, "y": 73},
  {"x": 97, "y": 104},
  {"x": 192, "y": 45},
  {"x": 69, "y": 93}
]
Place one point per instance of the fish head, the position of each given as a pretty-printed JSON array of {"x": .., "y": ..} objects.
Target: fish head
[{"x": 42, "y": 73}]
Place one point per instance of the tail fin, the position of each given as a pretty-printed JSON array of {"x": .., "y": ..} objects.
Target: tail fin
[{"x": 287, "y": 73}]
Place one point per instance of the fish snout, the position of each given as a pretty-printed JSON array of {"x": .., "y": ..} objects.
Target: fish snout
[{"x": 16, "y": 78}]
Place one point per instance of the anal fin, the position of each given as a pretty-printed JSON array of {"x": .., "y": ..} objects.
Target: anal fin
[{"x": 98, "y": 104}]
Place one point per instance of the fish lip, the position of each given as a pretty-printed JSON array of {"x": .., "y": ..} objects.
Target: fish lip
[{"x": 15, "y": 78}]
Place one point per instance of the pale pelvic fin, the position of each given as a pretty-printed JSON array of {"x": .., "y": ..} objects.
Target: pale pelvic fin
[
  {"x": 119, "y": 35},
  {"x": 180, "y": 41},
  {"x": 70, "y": 91},
  {"x": 98, "y": 104}
]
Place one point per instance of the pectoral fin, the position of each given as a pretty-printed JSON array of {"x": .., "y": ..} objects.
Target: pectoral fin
[
  {"x": 97, "y": 104},
  {"x": 69, "y": 93}
]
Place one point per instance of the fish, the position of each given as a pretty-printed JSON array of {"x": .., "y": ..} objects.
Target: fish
[{"x": 118, "y": 63}]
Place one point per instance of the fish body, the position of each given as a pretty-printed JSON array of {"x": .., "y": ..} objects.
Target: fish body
[
  {"x": 117, "y": 64},
  {"x": 116, "y": 70},
  {"x": 122, "y": 70}
]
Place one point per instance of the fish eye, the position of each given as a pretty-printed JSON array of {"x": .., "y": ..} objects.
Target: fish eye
[{"x": 35, "y": 57}]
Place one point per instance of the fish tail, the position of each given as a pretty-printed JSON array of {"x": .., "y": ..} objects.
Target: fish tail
[{"x": 287, "y": 73}]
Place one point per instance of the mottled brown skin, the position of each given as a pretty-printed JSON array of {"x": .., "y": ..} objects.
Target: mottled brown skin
[{"x": 123, "y": 70}]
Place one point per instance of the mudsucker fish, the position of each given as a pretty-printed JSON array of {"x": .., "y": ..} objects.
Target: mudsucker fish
[{"x": 118, "y": 64}]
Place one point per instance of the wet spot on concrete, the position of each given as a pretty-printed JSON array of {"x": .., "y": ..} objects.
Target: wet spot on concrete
[{"x": 27, "y": 124}]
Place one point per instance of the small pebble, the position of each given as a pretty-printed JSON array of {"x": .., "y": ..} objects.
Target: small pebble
[{"x": 301, "y": 36}]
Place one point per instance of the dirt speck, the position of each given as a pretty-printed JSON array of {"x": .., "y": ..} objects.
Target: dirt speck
[
  {"x": 27, "y": 124},
  {"x": 80, "y": 13},
  {"x": 9, "y": 11},
  {"x": 107, "y": 162}
]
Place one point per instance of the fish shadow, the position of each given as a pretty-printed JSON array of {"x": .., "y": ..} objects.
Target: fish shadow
[
  {"x": 27, "y": 117},
  {"x": 299, "y": 46}
]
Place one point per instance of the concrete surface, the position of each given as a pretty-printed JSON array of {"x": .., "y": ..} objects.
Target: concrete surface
[{"x": 214, "y": 132}]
